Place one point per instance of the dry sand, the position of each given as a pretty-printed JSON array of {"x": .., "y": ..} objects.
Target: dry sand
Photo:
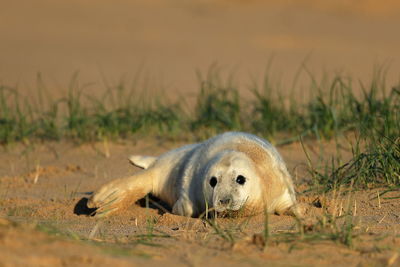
[
  {"x": 44, "y": 185},
  {"x": 168, "y": 40}
]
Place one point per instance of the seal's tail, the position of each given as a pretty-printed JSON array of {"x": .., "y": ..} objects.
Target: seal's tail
[{"x": 121, "y": 193}]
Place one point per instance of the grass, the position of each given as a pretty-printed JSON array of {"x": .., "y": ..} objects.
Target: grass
[
  {"x": 375, "y": 121},
  {"x": 339, "y": 230},
  {"x": 329, "y": 226},
  {"x": 377, "y": 166},
  {"x": 333, "y": 109},
  {"x": 218, "y": 105},
  {"x": 151, "y": 233},
  {"x": 112, "y": 249}
]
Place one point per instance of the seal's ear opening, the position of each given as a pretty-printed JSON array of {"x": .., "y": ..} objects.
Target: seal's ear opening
[{"x": 81, "y": 208}]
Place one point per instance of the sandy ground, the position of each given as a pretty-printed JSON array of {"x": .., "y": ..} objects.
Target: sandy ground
[
  {"x": 43, "y": 222},
  {"x": 167, "y": 40},
  {"x": 164, "y": 42}
]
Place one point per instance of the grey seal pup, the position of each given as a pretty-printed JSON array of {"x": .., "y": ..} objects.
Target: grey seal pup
[{"x": 233, "y": 171}]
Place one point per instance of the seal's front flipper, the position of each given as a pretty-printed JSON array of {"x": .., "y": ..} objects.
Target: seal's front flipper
[
  {"x": 183, "y": 206},
  {"x": 142, "y": 161},
  {"x": 121, "y": 193}
]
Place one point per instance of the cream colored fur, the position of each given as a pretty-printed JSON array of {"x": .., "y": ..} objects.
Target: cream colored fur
[{"x": 182, "y": 179}]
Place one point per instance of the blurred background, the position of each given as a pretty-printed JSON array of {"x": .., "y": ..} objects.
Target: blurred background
[{"x": 167, "y": 41}]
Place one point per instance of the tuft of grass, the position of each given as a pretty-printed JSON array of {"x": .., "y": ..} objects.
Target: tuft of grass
[
  {"x": 21, "y": 211},
  {"x": 151, "y": 234},
  {"x": 327, "y": 227},
  {"x": 47, "y": 112},
  {"x": 53, "y": 230},
  {"x": 165, "y": 119},
  {"x": 228, "y": 234},
  {"x": 113, "y": 249},
  {"x": 378, "y": 166},
  {"x": 270, "y": 114},
  {"x": 15, "y": 116},
  {"x": 218, "y": 105},
  {"x": 374, "y": 118},
  {"x": 78, "y": 121}
]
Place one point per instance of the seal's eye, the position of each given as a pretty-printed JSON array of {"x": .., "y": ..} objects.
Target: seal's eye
[
  {"x": 213, "y": 181},
  {"x": 240, "y": 179}
]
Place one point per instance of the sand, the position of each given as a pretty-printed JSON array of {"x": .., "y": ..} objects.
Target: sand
[
  {"x": 44, "y": 222},
  {"x": 163, "y": 43},
  {"x": 167, "y": 41}
]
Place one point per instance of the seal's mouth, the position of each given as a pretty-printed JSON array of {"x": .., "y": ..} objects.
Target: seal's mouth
[
  {"x": 229, "y": 213},
  {"x": 229, "y": 208}
]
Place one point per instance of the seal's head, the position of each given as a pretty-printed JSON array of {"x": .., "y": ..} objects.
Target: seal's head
[{"x": 231, "y": 182}]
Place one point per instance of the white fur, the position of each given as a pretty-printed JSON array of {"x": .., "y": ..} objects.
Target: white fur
[{"x": 181, "y": 177}]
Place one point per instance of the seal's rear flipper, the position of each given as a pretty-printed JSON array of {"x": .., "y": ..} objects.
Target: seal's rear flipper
[
  {"x": 298, "y": 211},
  {"x": 142, "y": 161}
]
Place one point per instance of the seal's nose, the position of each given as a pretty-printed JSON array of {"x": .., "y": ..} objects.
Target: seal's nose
[{"x": 225, "y": 201}]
